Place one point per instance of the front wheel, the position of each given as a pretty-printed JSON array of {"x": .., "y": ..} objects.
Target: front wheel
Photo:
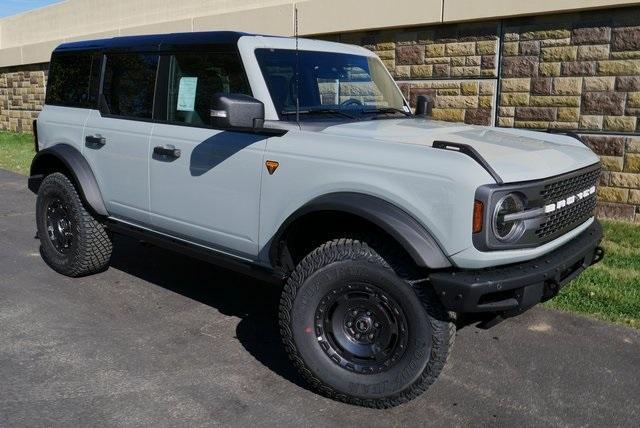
[
  {"x": 72, "y": 241},
  {"x": 360, "y": 333}
]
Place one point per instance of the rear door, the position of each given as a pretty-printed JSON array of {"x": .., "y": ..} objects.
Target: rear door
[
  {"x": 71, "y": 91},
  {"x": 116, "y": 137},
  {"x": 209, "y": 192}
]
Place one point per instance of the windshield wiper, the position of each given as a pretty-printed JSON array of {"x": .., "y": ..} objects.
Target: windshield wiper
[
  {"x": 387, "y": 110},
  {"x": 320, "y": 111}
]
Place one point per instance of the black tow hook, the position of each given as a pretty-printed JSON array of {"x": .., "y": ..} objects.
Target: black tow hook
[
  {"x": 598, "y": 255},
  {"x": 490, "y": 322}
]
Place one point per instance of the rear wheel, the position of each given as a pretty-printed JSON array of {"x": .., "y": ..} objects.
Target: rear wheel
[
  {"x": 359, "y": 332},
  {"x": 72, "y": 241}
]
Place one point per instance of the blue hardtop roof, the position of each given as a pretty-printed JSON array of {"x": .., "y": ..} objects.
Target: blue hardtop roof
[{"x": 154, "y": 42}]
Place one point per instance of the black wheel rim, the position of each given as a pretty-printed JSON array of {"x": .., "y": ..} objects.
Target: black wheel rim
[
  {"x": 59, "y": 225},
  {"x": 361, "y": 328}
]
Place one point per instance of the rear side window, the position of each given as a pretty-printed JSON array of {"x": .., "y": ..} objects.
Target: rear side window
[
  {"x": 195, "y": 77},
  {"x": 129, "y": 83},
  {"x": 69, "y": 80}
]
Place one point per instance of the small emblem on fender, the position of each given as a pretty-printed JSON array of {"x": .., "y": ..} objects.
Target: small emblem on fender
[{"x": 271, "y": 166}]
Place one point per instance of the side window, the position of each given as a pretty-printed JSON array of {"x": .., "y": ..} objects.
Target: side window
[
  {"x": 69, "y": 79},
  {"x": 195, "y": 77},
  {"x": 129, "y": 83}
]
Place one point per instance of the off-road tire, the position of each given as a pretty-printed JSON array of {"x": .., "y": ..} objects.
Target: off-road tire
[
  {"x": 91, "y": 246},
  {"x": 431, "y": 331}
]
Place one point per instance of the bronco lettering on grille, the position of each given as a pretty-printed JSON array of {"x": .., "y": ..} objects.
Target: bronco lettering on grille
[{"x": 570, "y": 200}]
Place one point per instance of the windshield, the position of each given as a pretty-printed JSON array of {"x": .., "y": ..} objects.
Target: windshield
[{"x": 330, "y": 84}]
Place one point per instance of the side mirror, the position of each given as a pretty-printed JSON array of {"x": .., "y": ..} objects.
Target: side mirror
[
  {"x": 424, "y": 105},
  {"x": 236, "y": 112}
]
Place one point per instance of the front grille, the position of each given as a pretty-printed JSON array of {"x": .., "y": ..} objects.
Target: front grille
[
  {"x": 567, "y": 218},
  {"x": 562, "y": 188}
]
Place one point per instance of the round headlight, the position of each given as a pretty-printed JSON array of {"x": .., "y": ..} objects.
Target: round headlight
[{"x": 508, "y": 231}]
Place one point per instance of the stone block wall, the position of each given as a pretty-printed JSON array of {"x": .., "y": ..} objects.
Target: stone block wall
[
  {"x": 619, "y": 190},
  {"x": 580, "y": 72},
  {"x": 575, "y": 72},
  {"x": 457, "y": 65},
  {"x": 22, "y": 93},
  {"x": 583, "y": 74},
  {"x": 468, "y": 101}
]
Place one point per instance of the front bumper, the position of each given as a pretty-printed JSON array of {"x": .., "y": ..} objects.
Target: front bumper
[{"x": 512, "y": 289}]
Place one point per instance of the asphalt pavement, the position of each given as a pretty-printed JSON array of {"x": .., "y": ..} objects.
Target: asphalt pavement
[{"x": 163, "y": 340}]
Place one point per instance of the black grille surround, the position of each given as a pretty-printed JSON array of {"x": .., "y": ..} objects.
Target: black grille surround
[
  {"x": 537, "y": 194},
  {"x": 573, "y": 215}
]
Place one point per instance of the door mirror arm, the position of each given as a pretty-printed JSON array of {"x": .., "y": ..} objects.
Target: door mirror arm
[{"x": 424, "y": 105}]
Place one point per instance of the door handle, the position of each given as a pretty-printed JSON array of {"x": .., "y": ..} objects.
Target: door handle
[
  {"x": 95, "y": 140},
  {"x": 167, "y": 150}
]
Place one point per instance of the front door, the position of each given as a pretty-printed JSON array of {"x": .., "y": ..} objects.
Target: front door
[
  {"x": 116, "y": 139},
  {"x": 204, "y": 183}
]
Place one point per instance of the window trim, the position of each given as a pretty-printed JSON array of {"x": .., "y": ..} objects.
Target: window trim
[
  {"x": 97, "y": 59},
  {"x": 161, "y": 91}
]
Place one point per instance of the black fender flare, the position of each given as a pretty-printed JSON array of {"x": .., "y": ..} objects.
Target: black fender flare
[
  {"x": 406, "y": 230},
  {"x": 76, "y": 165}
]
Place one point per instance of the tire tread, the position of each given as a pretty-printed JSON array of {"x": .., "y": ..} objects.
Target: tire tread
[
  {"x": 442, "y": 322},
  {"x": 94, "y": 246}
]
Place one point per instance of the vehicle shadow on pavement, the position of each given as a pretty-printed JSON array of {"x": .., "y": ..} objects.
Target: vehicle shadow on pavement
[{"x": 232, "y": 294}]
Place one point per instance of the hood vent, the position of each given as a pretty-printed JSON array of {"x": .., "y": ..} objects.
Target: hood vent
[{"x": 472, "y": 153}]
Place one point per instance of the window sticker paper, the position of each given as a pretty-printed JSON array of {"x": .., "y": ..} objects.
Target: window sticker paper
[{"x": 187, "y": 93}]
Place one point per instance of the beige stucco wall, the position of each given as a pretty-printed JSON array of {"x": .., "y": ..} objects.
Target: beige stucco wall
[
  {"x": 73, "y": 18},
  {"x": 332, "y": 16},
  {"x": 29, "y": 38}
]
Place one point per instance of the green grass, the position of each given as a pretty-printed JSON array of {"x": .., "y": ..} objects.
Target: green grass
[
  {"x": 16, "y": 152},
  {"x": 609, "y": 290}
]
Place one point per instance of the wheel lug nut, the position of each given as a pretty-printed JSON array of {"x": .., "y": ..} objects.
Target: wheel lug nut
[
  {"x": 371, "y": 336},
  {"x": 357, "y": 336},
  {"x": 368, "y": 313},
  {"x": 354, "y": 312},
  {"x": 349, "y": 324},
  {"x": 376, "y": 325}
]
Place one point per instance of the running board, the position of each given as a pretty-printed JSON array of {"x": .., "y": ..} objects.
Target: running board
[{"x": 197, "y": 251}]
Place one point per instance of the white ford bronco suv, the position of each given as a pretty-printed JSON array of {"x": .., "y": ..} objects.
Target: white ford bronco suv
[{"x": 300, "y": 162}]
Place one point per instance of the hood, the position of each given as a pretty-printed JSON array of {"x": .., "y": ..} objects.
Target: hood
[{"x": 514, "y": 154}]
